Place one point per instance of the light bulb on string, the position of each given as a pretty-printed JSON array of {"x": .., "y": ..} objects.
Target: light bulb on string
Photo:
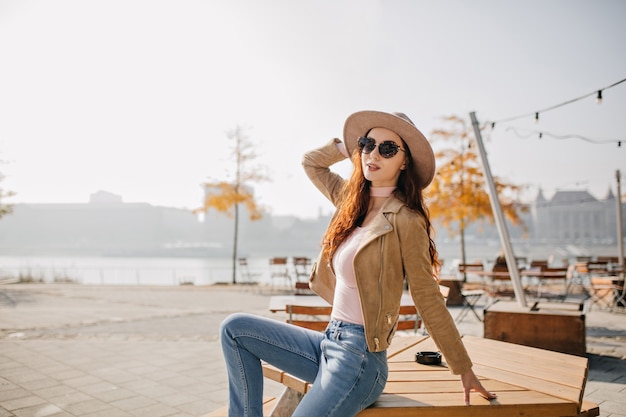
[{"x": 598, "y": 94}]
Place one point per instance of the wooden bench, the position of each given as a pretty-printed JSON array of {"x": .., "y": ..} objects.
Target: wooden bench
[{"x": 317, "y": 317}]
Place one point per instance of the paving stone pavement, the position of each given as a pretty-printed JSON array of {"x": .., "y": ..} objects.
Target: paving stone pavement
[{"x": 77, "y": 350}]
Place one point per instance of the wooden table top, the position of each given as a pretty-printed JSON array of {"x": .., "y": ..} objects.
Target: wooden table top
[{"x": 529, "y": 382}]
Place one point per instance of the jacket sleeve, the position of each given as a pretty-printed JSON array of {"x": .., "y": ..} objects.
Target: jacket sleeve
[
  {"x": 317, "y": 164},
  {"x": 428, "y": 299},
  {"x": 317, "y": 167}
]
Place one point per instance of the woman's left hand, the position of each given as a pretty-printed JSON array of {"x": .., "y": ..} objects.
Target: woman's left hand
[{"x": 471, "y": 383}]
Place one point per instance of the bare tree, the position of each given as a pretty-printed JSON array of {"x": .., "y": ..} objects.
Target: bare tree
[
  {"x": 5, "y": 208},
  {"x": 457, "y": 196},
  {"x": 227, "y": 196}
]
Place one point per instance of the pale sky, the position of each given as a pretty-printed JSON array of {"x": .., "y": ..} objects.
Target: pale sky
[{"x": 135, "y": 97}]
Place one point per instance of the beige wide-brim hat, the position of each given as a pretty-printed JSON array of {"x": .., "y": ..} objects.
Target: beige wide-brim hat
[{"x": 360, "y": 123}]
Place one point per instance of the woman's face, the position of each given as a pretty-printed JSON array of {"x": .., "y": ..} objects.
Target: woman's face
[{"x": 383, "y": 172}]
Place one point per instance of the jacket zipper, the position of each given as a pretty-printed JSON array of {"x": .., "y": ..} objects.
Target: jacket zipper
[{"x": 380, "y": 293}]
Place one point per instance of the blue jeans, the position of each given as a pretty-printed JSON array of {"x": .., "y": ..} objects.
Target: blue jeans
[{"x": 346, "y": 376}]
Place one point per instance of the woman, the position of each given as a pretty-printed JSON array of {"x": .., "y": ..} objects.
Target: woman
[{"x": 378, "y": 239}]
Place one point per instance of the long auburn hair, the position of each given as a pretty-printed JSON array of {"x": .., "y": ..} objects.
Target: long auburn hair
[{"x": 353, "y": 208}]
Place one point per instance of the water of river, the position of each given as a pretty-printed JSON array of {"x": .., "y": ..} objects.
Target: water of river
[{"x": 177, "y": 271}]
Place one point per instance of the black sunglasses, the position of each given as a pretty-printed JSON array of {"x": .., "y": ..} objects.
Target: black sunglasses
[{"x": 386, "y": 149}]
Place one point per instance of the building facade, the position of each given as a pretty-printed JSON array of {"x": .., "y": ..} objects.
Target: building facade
[{"x": 574, "y": 216}]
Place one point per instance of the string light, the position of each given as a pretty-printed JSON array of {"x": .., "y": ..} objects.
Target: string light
[
  {"x": 531, "y": 133},
  {"x": 597, "y": 93}
]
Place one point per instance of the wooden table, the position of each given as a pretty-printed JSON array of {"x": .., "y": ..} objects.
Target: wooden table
[
  {"x": 552, "y": 273},
  {"x": 529, "y": 382},
  {"x": 492, "y": 279}
]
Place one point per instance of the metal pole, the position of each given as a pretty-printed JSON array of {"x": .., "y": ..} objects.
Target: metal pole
[
  {"x": 511, "y": 262},
  {"x": 620, "y": 227}
]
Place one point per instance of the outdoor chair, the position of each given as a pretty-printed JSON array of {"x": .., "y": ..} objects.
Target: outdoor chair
[
  {"x": 521, "y": 262},
  {"x": 601, "y": 291},
  {"x": 541, "y": 263},
  {"x": 245, "y": 274},
  {"x": 608, "y": 259},
  {"x": 598, "y": 268},
  {"x": 470, "y": 293},
  {"x": 279, "y": 271},
  {"x": 301, "y": 266},
  {"x": 552, "y": 277},
  {"x": 606, "y": 292},
  {"x": 579, "y": 277},
  {"x": 619, "y": 300},
  {"x": 302, "y": 271},
  {"x": 583, "y": 271},
  {"x": 500, "y": 286}
]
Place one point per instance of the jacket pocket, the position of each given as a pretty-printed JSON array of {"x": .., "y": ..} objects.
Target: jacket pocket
[{"x": 322, "y": 280}]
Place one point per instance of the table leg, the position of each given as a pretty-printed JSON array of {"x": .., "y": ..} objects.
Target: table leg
[{"x": 287, "y": 403}]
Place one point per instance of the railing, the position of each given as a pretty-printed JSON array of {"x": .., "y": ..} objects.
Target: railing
[
  {"x": 132, "y": 271},
  {"x": 119, "y": 275}
]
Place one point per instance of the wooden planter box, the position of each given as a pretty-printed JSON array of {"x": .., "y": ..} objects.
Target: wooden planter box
[{"x": 554, "y": 326}]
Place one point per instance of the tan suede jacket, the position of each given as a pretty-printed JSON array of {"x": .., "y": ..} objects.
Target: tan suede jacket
[{"x": 395, "y": 247}]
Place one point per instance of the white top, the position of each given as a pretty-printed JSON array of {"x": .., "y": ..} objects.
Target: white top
[{"x": 347, "y": 303}]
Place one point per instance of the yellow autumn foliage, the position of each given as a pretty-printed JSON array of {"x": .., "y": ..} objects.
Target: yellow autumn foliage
[
  {"x": 458, "y": 195},
  {"x": 227, "y": 197}
]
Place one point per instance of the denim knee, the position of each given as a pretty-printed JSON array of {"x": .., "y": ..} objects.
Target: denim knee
[{"x": 229, "y": 323}]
